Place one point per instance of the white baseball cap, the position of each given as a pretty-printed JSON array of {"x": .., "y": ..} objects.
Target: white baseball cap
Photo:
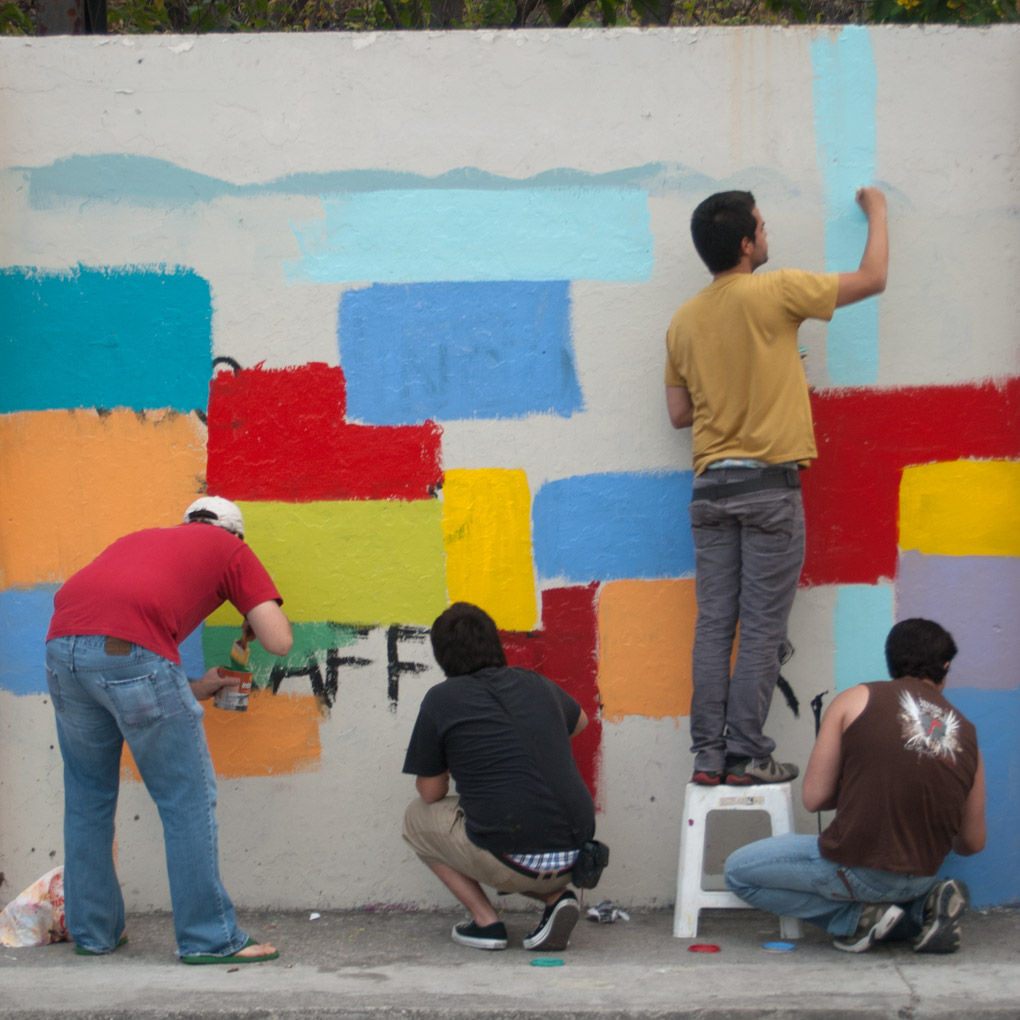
[{"x": 219, "y": 511}]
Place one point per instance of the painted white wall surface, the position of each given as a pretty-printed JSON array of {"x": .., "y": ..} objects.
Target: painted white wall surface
[{"x": 218, "y": 153}]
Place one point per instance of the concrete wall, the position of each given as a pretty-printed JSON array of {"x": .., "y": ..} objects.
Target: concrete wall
[{"x": 403, "y": 297}]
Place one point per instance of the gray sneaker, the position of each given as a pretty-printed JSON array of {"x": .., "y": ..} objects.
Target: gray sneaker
[
  {"x": 943, "y": 908},
  {"x": 751, "y": 771},
  {"x": 877, "y": 920}
]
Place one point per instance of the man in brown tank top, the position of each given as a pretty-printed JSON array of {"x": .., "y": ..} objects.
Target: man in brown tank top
[{"x": 902, "y": 768}]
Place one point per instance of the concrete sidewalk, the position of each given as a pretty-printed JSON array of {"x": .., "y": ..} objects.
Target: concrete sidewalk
[{"x": 375, "y": 965}]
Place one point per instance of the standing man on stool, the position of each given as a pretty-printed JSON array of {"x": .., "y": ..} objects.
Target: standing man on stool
[{"x": 734, "y": 373}]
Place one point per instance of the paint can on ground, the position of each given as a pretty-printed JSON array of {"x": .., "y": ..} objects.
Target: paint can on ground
[{"x": 234, "y": 699}]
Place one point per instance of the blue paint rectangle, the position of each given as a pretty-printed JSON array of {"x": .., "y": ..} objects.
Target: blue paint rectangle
[
  {"x": 430, "y": 235},
  {"x": 130, "y": 337},
  {"x": 864, "y": 614},
  {"x": 449, "y": 351},
  {"x": 611, "y": 527},
  {"x": 845, "y": 94},
  {"x": 24, "y": 620}
]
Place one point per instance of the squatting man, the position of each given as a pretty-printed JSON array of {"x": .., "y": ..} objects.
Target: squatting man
[
  {"x": 902, "y": 768},
  {"x": 522, "y": 810}
]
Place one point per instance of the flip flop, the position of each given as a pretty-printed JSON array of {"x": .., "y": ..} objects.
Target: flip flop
[
  {"x": 233, "y": 958},
  {"x": 82, "y": 951}
]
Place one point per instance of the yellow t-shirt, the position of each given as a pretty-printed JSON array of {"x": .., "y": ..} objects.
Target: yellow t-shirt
[{"x": 734, "y": 347}]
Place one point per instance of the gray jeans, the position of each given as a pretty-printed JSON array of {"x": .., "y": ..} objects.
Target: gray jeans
[{"x": 748, "y": 552}]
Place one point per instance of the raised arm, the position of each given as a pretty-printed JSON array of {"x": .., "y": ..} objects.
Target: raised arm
[{"x": 869, "y": 279}]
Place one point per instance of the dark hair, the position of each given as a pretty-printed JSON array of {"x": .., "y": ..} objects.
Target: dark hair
[
  {"x": 465, "y": 640},
  {"x": 919, "y": 648},
  {"x": 718, "y": 226}
]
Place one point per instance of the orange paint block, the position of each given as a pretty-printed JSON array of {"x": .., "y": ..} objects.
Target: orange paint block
[
  {"x": 73, "y": 481},
  {"x": 278, "y": 735},
  {"x": 646, "y": 632}
]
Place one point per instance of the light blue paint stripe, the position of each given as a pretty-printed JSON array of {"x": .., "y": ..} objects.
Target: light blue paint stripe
[
  {"x": 864, "y": 614},
  {"x": 613, "y": 526},
  {"x": 416, "y": 236},
  {"x": 132, "y": 337},
  {"x": 446, "y": 351},
  {"x": 845, "y": 91},
  {"x": 992, "y": 875},
  {"x": 24, "y": 620},
  {"x": 120, "y": 178}
]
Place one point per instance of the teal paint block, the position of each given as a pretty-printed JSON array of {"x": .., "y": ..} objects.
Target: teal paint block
[
  {"x": 135, "y": 337},
  {"x": 845, "y": 95},
  {"x": 864, "y": 616},
  {"x": 460, "y": 235}
]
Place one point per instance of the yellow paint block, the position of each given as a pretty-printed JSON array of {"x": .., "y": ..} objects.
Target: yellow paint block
[
  {"x": 487, "y": 535},
  {"x": 277, "y": 735},
  {"x": 646, "y": 632},
  {"x": 74, "y": 481},
  {"x": 961, "y": 508},
  {"x": 360, "y": 562}
]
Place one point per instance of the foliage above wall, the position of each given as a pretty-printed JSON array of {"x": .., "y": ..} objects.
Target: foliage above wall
[{"x": 185, "y": 16}]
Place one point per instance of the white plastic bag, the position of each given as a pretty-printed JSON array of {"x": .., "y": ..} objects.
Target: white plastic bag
[{"x": 36, "y": 917}]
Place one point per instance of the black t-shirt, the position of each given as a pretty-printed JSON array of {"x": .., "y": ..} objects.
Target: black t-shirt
[{"x": 519, "y": 795}]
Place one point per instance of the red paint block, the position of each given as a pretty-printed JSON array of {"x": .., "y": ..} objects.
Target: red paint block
[
  {"x": 282, "y": 434},
  {"x": 866, "y": 437},
  {"x": 565, "y": 651}
]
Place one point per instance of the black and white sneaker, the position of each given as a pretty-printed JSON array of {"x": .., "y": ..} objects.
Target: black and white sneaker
[
  {"x": 943, "y": 908},
  {"x": 877, "y": 921},
  {"x": 492, "y": 936},
  {"x": 558, "y": 920}
]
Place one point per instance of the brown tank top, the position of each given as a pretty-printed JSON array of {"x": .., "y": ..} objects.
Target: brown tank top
[{"x": 908, "y": 764}]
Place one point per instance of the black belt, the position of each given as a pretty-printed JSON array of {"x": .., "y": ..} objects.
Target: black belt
[{"x": 770, "y": 478}]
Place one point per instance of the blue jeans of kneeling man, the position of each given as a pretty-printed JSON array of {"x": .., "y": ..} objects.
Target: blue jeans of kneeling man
[
  {"x": 101, "y": 700},
  {"x": 786, "y": 875}
]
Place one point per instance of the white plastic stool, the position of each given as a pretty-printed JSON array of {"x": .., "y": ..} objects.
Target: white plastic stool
[{"x": 773, "y": 798}]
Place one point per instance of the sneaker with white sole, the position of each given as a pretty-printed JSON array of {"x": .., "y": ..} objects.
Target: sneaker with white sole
[
  {"x": 754, "y": 771},
  {"x": 558, "y": 920},
  {"x": 492, "y": 936},
  {"x": 877, "y": 921},
  {"x": 943, "y": 908}
]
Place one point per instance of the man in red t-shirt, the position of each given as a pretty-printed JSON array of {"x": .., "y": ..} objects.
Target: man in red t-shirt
[
  {"x": 902, "y": 768},
  {"x": 114, "y": 674}
]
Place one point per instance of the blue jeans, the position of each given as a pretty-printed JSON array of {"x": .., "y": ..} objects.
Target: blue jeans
[
  {"x": 101, "y": 700},
  {"x": 748, "y": 552},
  {"x": 786, "y": 875}
]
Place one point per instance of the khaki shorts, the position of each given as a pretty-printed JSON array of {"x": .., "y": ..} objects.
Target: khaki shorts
[{"x": 435, "y": 832}]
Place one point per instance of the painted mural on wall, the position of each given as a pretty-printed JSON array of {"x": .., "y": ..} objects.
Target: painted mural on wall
[{"x": 456, "y": 298}]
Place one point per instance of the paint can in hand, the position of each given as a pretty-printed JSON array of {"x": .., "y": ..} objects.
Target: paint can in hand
[{"x": 234, "y": 699}]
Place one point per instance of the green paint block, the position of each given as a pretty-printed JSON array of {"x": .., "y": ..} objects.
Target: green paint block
[{"x": 311, "y": 641}]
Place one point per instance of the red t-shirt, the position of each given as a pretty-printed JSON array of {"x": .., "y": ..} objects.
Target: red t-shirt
[{"x": 154, "y": 587}]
